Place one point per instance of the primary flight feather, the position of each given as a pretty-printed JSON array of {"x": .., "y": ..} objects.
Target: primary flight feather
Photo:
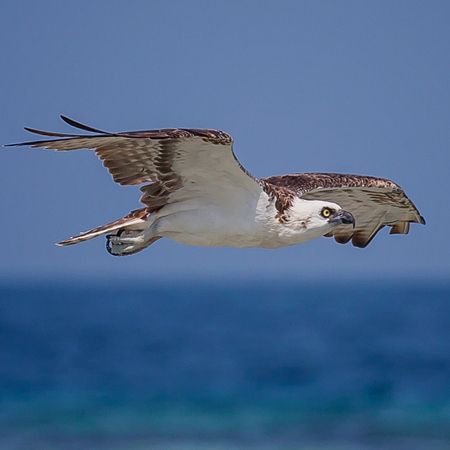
[{"x": 196, "y": 192}]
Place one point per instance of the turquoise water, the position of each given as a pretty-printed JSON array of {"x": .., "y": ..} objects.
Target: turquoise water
[{"x": 225, "y": 366}]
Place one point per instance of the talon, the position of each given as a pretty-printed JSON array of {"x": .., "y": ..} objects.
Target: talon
[
  {"x": 109, "y": 244},
  {"x": 114, "y": 249},
  {"x": 113, "y": 240},
  {"x": 117, "y": 235},
  {"x": 125, "y": 242}
]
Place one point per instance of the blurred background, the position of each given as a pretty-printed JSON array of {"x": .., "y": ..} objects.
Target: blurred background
[{"x": 318, "y": 346}]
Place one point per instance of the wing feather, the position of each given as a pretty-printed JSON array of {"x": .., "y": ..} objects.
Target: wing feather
[{"x": 176, "y": 161}]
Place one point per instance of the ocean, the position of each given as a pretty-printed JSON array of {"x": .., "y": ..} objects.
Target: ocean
[{"x": 228, "y": 366}]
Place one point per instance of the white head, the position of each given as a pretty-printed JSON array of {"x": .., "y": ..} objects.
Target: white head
[{"x": 317, "y": 217}]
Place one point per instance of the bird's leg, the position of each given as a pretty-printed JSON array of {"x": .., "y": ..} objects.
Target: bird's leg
[
  {"x": 127, "y": 242},
  {"x": 127, "y": 237}
]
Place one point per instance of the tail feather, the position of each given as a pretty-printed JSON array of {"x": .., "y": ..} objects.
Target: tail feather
[{"x": 135, "y": 217}]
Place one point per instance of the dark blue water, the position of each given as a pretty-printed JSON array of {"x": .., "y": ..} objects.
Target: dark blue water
[{"x": 231, "y": 366}]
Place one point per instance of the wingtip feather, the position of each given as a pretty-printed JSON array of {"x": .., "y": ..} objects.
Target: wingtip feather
[{"x": 75, "y": 124}]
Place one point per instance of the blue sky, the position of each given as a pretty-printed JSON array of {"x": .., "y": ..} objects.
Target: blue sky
[{"x": 352, "y": 86}]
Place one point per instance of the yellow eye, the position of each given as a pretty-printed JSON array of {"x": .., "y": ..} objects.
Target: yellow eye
[{"x": 326, "y": 212}]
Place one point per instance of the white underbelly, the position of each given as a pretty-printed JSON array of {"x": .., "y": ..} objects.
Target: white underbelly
[
  {"x": 211, "y": 229},
  {"x": 215, "y": 228}
]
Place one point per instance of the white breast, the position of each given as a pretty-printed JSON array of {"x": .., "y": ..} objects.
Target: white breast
[{"x": 229, "y": 223}]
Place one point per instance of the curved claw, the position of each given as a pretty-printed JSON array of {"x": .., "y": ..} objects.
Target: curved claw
[{"x": 110, "y": 245}]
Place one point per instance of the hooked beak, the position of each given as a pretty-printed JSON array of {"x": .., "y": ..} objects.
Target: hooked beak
[{"x": 342, "y": 217}]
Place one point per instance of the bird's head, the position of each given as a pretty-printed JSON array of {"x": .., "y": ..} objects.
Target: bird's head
[{"x": 319, "y": 215}]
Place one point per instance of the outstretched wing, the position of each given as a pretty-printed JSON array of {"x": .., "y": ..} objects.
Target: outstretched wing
[
  {"x": 178, "y": 163},
  {"x": 374, "y": 202}
]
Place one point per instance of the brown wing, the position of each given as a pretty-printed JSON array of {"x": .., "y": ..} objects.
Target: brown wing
[
  {"x": 186, "y": 160},
  {"x": 374, "y": 202}
]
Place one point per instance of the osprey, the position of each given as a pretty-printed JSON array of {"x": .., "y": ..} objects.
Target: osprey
[{"x": 199, "y": 194}]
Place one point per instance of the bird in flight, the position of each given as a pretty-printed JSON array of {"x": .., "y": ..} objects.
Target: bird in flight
[{"x": 196, "y": 192}]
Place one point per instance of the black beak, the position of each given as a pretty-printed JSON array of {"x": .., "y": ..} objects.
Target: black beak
[{"x": 342, "y": 217}]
